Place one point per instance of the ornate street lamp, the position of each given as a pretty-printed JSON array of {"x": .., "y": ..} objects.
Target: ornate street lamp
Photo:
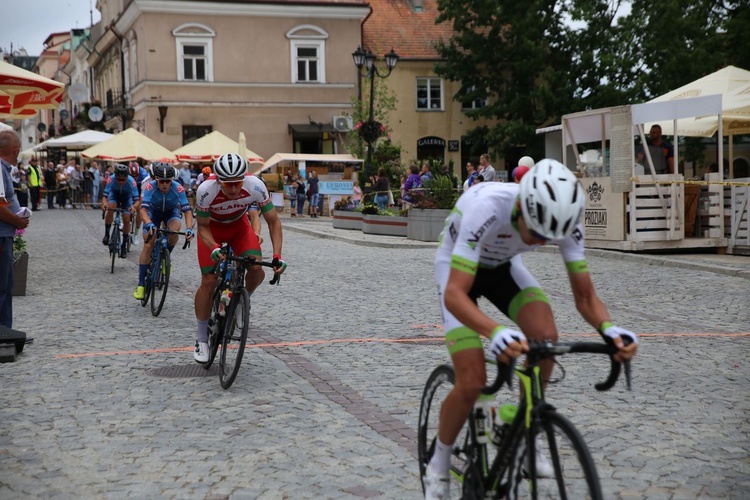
[{"x": 371, "y": 130}]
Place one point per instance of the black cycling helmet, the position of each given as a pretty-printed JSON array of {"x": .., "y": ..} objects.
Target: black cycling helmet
[
  {"x": 163, "y": 170},
  {"x": 121, "y": 170}
]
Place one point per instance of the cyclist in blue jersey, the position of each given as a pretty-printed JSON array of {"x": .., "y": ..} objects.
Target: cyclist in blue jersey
[
  {"x": 140, "y": 174},
  {"x": 119, "y": 192},
  {"x": 164, "y": 199}
]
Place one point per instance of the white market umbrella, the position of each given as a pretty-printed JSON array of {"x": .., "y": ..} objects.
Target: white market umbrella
[{"x": 129, "y": 145}]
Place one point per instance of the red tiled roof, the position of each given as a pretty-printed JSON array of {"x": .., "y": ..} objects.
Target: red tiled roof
[{"x": 394, "y": 24}]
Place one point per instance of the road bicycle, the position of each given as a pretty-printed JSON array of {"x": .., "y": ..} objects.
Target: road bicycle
[
  {"x": 115, "y": 239},
  {"x": 496, "y": 459},
  {"x": 230, "y": 314},
  {"x": 159, "y": 269}
]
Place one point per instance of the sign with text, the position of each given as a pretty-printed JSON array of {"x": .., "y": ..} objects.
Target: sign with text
[
  {"x": 452, "y": 146},
  {"x": 337, "y": 187},
  {"x": 621, "y": 148},
  {"x": 604, "y": 216}
]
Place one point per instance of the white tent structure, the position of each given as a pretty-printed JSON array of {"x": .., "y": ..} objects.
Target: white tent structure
[
  {"x": 297, "y": 157},
  {"x": 79, "y": 140}
]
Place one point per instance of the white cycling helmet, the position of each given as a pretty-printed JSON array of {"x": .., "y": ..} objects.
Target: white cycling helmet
[
  {"x": 230, "y": 166},
  {"x": 551, "y": 199}
]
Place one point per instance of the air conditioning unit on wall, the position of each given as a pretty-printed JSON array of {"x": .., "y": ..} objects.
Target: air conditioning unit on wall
[{"x": 343, "y": 123}]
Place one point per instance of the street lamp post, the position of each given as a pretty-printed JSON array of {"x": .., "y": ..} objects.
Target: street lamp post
[{"x": 371, "y": 129}]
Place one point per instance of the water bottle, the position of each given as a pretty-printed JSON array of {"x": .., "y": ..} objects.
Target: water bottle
[
  {"x": 226, "y": 296},
  {"x": 507, "y": 415},
  {"x": 483, "y": 418}
]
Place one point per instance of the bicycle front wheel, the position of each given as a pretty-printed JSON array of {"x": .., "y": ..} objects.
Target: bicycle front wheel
[
  {"x": 235, "y": 337},
  {"x": 215, "y": 330},
  {"x": 160, "y": 282},
  {"x": 464, "y": 477},
  {"x": 114, "y": 247},
  {"x": 560, "y": 444}
]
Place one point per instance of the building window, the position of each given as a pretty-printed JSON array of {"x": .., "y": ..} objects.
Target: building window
[
  {"x": 475, "y": 104},
  {"x": 307, "y": 43},
  {"x": 429, "y": 94},
  {"x": 194, "y": 52},
  {"x": 193, "y": 132}
]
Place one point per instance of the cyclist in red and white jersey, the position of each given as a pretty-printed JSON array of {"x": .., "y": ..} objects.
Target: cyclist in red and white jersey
[
  {"x": 221, "y": 211},
  {"x": 480, "y": 255}
]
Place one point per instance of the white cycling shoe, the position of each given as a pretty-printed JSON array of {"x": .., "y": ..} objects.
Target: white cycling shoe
[
  {"x": 436, "y": 486},
  {"x": 201, "y": 352},
  {"x": 544, "y": 467}
]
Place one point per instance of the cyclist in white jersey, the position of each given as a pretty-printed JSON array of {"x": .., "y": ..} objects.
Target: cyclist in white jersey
[{"x": 479, "y": 255}]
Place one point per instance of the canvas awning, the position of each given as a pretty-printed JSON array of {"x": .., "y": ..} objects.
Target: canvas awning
[
  {"x": 22, "y": 92},
  {"x": 211, "y": 146},
  {"x": 129, "y": 145},
  {"x": 84, "y": 139},
  {"x": 296, "y": 157}
]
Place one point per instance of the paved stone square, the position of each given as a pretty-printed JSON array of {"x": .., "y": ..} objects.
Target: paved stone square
[{"x": 108, "y": 403}]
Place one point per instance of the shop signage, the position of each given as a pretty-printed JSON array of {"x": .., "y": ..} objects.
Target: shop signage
[
  {"x": 603, "y": 218},
  {"x": 453, "y": 146},
  {"x": 431, "y": 141},
  {"x": 336, "y": 187}
]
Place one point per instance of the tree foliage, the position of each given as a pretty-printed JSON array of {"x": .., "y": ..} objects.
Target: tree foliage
[{"x": 535, "y": 61}]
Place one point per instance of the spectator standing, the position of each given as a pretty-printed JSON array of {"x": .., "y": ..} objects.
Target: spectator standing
[
  {"x": 314, "y": 189},
  {"x": 486, "y": 170},
  {"x": 425, "y": 175},
  {"x": 10, "y": 147},
  {"x": 411, "y": 182},
  {"x": 381, "y": 189},
  {"x": 62, "y": 187},
  {"x": 96, "y": 181},
  {"x": 35, "y": 183},
  {"x": 299, "y": 187},
  {"x": 471, "y": 175},
  {"x": 22, "y": 191},
  {"x": 50, "y": 184},
  {"x": 185, "y": 176},
  {"x": 663, "y": 163},
  {"x": 76, "y": 183},
  {"x": 356, "y": 194}
]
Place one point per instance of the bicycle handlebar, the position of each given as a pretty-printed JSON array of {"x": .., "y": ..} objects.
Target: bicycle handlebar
[
  {"x": 248, "y": 261},
  {"x": 168, "y": 231},
  {"x": 547, "y": 349}
]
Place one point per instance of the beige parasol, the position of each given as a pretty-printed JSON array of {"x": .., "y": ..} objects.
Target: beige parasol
[
  {"x": 210, "y": 147},
  {"x": 129, "y": 145}
]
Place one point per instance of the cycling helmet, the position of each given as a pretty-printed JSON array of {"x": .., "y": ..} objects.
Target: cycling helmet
[
  {"x": 206, "y": 171},
  {"x": 135, "y": 169},
  {"x": 526, "y": 161},
  {"x": 163, "y": 170},
  {"x": 230, "y": 166},
  {"x": 551, "y": 199},
  {"x": 121, "y": 170}
]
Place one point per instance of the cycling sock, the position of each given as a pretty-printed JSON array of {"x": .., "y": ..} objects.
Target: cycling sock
[
  {"x": 202, "y": 335},
  {"x": 107, "y": 227},
  {"x": 441, "y": 459},
  {"x": 142, "y": 270}
]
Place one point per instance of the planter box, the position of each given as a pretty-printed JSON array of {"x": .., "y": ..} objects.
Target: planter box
[
  {"x": 20, "y": 273},
  {"x": 343, "y": 219},
  {"x": 384, "y": 225},
  {"x": 426, "y": 225}
]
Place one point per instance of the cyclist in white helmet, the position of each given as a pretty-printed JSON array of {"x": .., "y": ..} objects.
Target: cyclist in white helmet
[
  {"x": 221, "y": 212},
  {"x": 479, "y": 255}
]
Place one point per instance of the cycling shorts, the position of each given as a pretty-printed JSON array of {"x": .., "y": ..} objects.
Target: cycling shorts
[
  {"x": 508, "y": 287},
  {"x": 158, "y": 217},
  {"x": 122, "y": 200},
  {"x": 240, "y": 236}
]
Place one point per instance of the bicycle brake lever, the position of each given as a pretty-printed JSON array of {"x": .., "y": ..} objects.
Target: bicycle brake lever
[{"x": 276, "y": 279}]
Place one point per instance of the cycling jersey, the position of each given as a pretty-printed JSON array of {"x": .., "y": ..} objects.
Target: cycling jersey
[
  {"x": 481, "y": 238},
  {"x": 212, "y": 202},
  {"x": 123, "y": 194},
  {"x": 156, "y": 201},
  {"x": 480, "y": 232}
]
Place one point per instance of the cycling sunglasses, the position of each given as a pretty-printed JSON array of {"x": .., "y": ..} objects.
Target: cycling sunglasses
[{"x": 232, "y": 183}]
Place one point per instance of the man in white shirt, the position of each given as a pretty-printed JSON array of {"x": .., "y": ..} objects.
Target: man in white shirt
[{"x": 486, "y": 171}]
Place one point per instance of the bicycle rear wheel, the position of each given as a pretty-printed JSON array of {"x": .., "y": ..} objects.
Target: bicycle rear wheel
[
  {"x": 160, "y": 282},
  {"x": 465, "y": 481},
  {"x": 235, "y": 337},
  {"x": 575, "y": 475},
  {"x": 147, "y": 285}
]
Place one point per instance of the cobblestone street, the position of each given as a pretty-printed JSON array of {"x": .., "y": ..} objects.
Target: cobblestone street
[{"x": 107, "y": 401}]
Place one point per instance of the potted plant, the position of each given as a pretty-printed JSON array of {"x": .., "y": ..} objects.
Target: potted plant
[
  {"x": 383, "y": 222},
  {"x": 20, "y": 263},
  {"x": 430, "y": 209},
  {"x": 345, "y": 216}
]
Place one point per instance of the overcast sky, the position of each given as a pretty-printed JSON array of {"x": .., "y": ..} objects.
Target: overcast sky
[{"x": 27, "y": 23}]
